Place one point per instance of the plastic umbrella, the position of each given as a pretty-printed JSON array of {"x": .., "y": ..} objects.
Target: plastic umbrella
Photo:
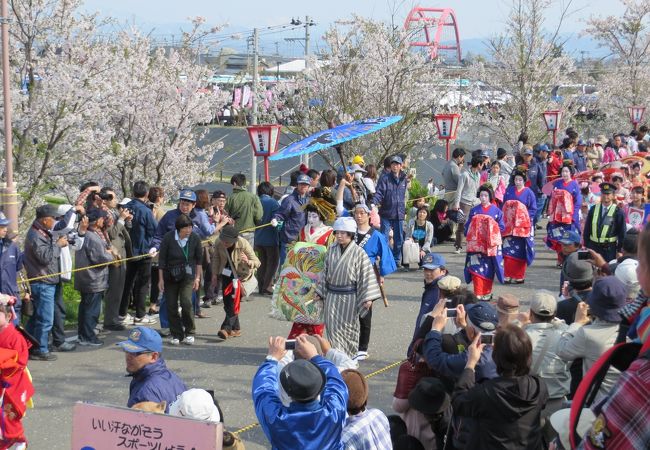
[{"x": 334, "y": 136}]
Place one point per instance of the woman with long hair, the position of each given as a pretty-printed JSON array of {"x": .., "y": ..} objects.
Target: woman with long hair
[
  {"x": 497, "y": 180},
  {"x": 442, "y": 225}
]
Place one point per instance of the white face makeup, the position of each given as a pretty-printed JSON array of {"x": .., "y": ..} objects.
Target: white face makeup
[
  {"x": 313, "y": 219},
  {"x": 519, "y": 182},
  {"x": 485, "y": 198}
]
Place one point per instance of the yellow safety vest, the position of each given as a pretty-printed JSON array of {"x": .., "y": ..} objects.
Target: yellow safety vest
[{"x": 603, "y": 238}]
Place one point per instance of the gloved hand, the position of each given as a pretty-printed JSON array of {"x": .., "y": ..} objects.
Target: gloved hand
[{"x": 274, "y": 222}]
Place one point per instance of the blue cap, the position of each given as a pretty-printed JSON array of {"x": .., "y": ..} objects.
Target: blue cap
[
  {"x": 528, "y": 151},
  {"x": 3, "y": 220},
  {"x": 543, "y": 148},
  {"x": 188, "y": 194},
  {"x": 142, "y": 339},
  {"x": 303, "y": 179},
  {"x": 581, "y": 142},
  {"x": 396, "y": 159},
  {"x": 570, "y": 237},
  {"x": 483, "y": 316},
  {"x": 432, "y": 261}
]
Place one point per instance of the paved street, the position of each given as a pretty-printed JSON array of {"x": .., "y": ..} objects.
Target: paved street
[{"x": 228, "y": 367}]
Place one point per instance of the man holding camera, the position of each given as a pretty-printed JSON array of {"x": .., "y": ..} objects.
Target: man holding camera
[
  {"x": 605, "y": 225},
  {"x": 43, "y": 265}
]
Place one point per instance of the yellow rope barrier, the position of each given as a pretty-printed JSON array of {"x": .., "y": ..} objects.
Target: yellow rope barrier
[{"x": 370, "y": 375}]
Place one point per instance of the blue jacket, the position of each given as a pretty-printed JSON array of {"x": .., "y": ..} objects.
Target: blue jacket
[
  {"x": 429, "y": 300},
  {"x": 537, "y": 177},
  {"x": 143, "y": 227},
  {"x": 267, "y": 236},
  {"x": 452, "y": 365},
  {"x": 391, "y": 195},
  {"x": 11, "y": 262},
  {"x": 155, "y": 383},
  {"x": 293, "y": 215},
  {"x": 316, "y": 425},
  {"x": 580, "y": 161},
  {"x": 168, "y": 223},
  {"x": 201, "y": 221}
]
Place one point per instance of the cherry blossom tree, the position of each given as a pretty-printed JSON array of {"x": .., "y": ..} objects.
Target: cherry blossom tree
[
  {"x": 515, "y": 81},
  {"x": 112, "y": 110},
  {"x": 368, "y": 70},
  {"x": 626, "y": 79}
]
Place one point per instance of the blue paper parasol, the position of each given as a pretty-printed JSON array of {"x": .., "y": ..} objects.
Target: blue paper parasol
[{"x": 334, "y": 136}]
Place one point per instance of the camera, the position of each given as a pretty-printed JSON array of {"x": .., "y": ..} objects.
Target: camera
[
  {"x": 487, "y": 338},
  {"x": 290, "y": 344},
  {"x": 584, "y": 255},
  {"x": 72, "y": 237},
  {"x": 452, "y": 312}
]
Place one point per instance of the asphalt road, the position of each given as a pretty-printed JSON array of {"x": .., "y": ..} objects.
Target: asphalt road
[{"x": 228, "y": 367}]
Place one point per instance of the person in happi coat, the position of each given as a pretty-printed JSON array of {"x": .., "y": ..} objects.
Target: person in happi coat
[
  {"x": 483, "y": 230},
  {"x": 519, "y": 210},
  {"x": 374, "y": 244},
  {"x": 348, "y": 286},
  {"x": 564, "y": 209}
]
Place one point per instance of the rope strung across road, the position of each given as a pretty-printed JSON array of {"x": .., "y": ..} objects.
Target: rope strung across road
[
  {"x": 119, "y": 261},
  {"x": 370, "y": 375}
]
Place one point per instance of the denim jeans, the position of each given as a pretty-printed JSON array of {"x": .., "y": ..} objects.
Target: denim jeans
[
  {"x": 541, "y": 202},
  {"x": 40, "y": 323},
  {"x": 89, "y": 309},
  {"x": 398, "y": 235},
  {"x": 162, "y": 312},
  {"x": 58, "y": 324}
]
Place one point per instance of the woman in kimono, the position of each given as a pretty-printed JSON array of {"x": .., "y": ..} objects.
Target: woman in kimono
[
  {"x": 314, "y": 232},
  {"x": 564, "y": 209},
  {"x": 374, "y": 244},
  {"x": 483, "y": 230},
  {"x": 519, "y": 209},
  {"x": 348, "y": 286}
]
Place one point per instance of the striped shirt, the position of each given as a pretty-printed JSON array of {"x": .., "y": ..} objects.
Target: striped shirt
[{"x": 368, "y": 430}]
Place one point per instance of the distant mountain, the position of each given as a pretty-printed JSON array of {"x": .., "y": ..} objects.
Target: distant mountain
[{"x": 574, "y": 46}]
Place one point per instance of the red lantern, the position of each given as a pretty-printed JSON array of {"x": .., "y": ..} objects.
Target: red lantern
[
  {"x": 264, "y": 140},
  {"x": 447, "y": 127}
]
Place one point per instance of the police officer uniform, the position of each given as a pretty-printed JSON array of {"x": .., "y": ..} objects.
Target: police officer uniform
[{"x": 605, "y": 227}]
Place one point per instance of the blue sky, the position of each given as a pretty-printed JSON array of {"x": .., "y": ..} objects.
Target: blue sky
[{"x": 477, "y": 18}]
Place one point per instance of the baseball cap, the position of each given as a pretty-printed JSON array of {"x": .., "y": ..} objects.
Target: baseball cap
[
  {"x": 606, "y": 298},
  {"x": 47, "y": 211},
  {"x": 3, "y": 220},
  {"x": 396, "y": 159},
  {"x": 543, "y": 148},
  {"x": 142, "y": 339},
  {"x": 432, "y": 261},
  {"x": 581, "y": 142},
  {"x": 528, "y": 151},
  {"x": 187, "y": 194},
  {"x": 195, "y": 404},
  {"x": 543, "y": 303},
  {"x": 124, "y": 201},
  {"x": 63, "y": 209},
  {"x": 358, "y": 159},
  {"x": 303, "y": 179},
  {"x": 483, "y": 316},
  {"x": 302, "y": 380},
  {"x": 570, "y": 237}
]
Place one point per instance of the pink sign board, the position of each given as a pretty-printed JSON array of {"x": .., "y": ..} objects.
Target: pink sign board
[{"x": 101, "y": 427}]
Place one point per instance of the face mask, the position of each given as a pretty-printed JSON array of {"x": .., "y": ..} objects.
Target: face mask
[{"x": 313, "y": 219}]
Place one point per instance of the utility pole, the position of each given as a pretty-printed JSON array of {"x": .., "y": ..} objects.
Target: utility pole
[
  {"x": 253, "y": 181},
  {"x": 9, "y": 195},
  {"x": 305, "y": 158}
]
